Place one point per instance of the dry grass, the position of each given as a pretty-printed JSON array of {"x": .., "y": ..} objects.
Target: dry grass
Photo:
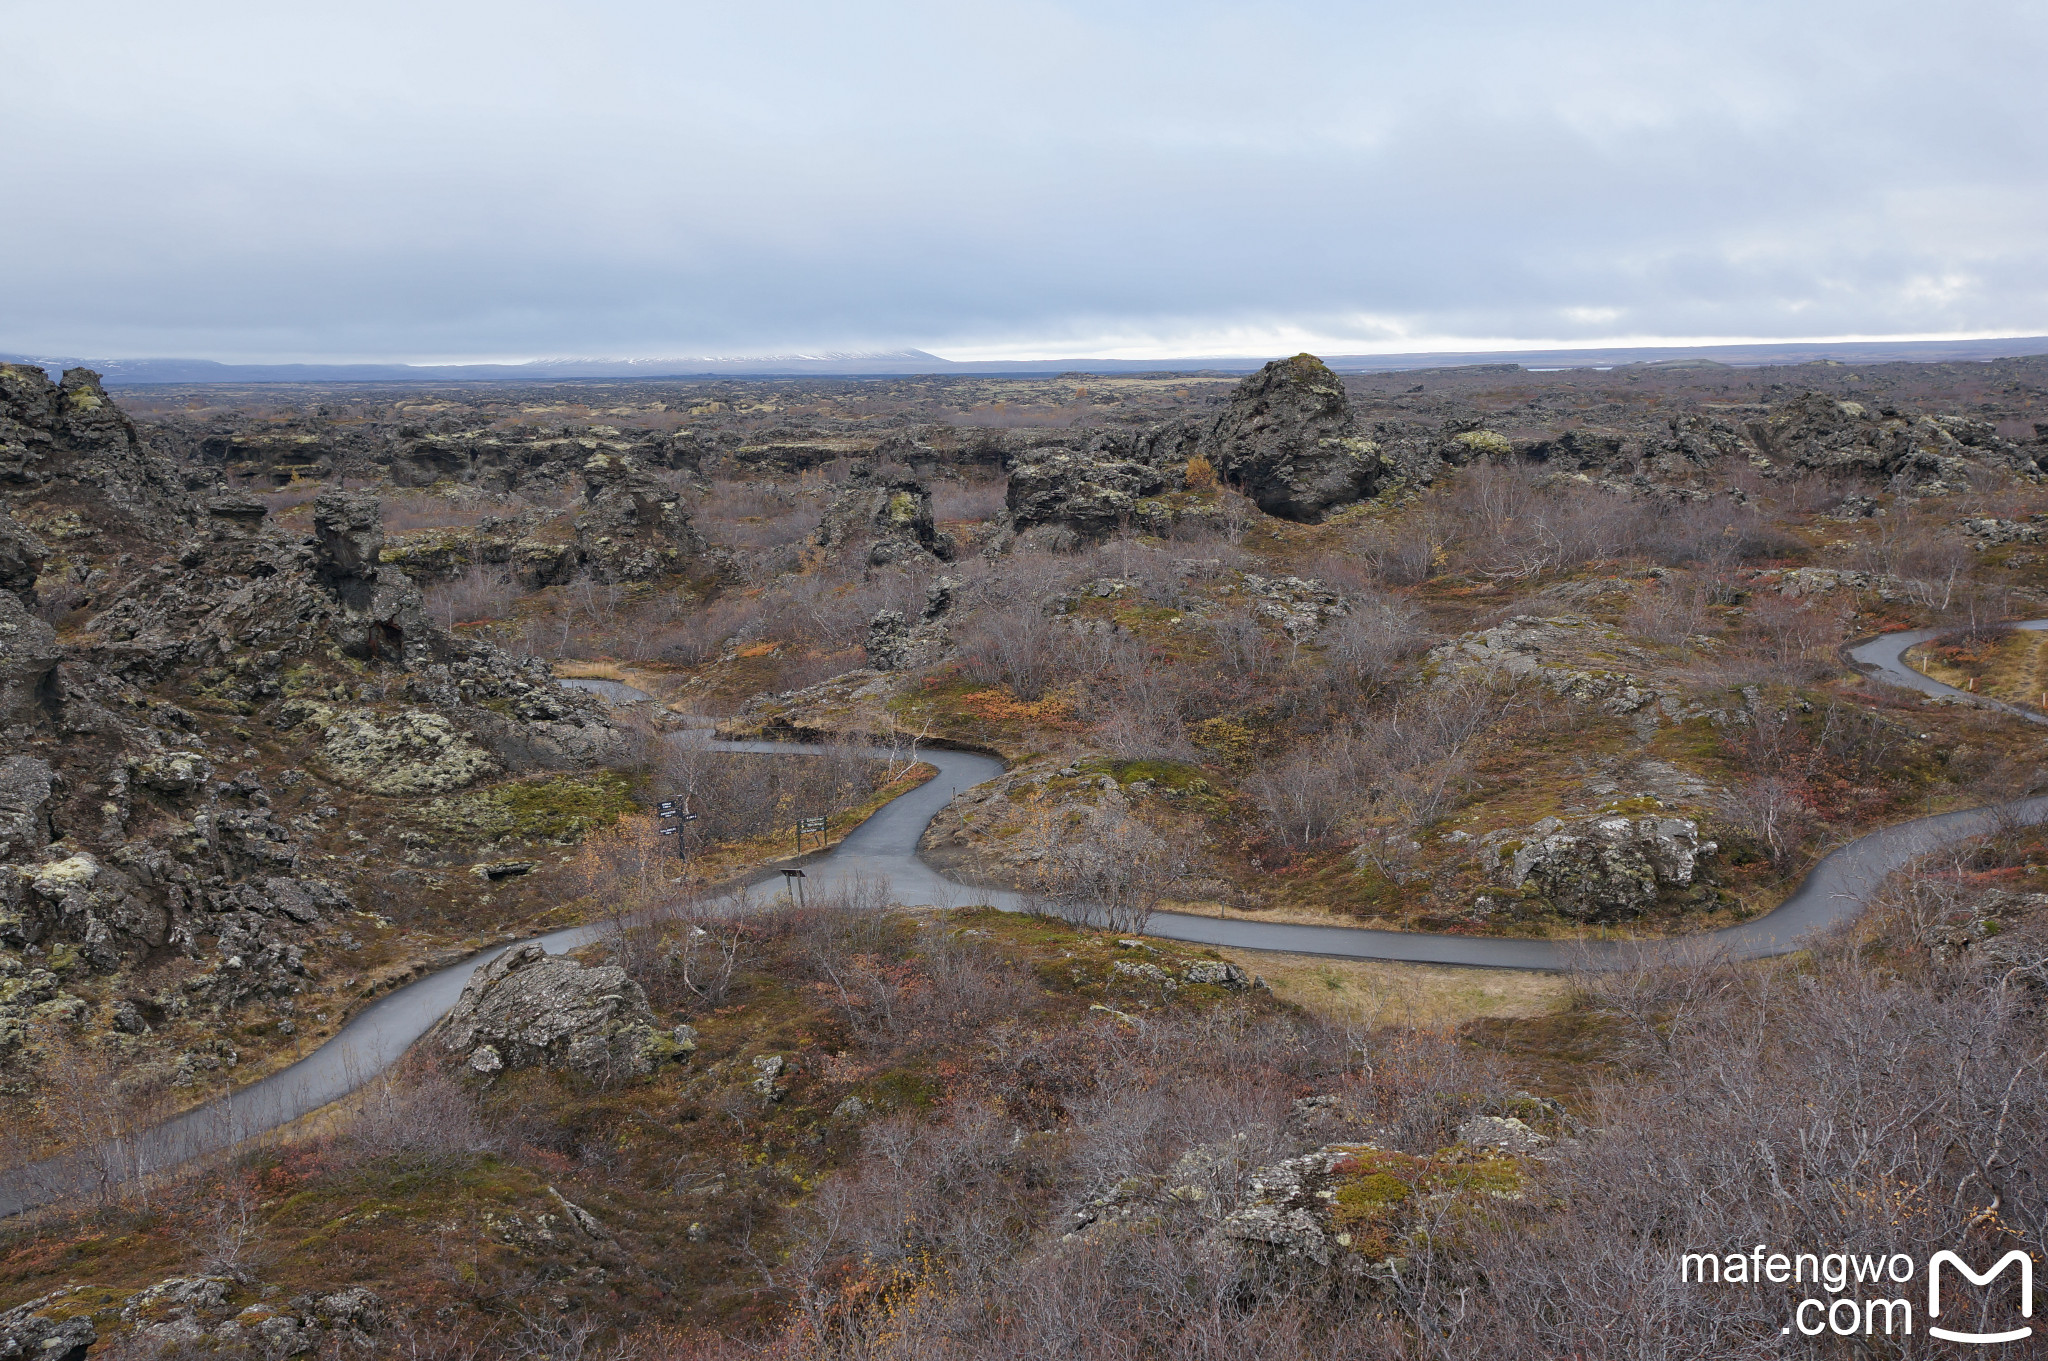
[
  {"x": 610, "y": 671},
  {"x": 1377, "y": 993},
  {"x": 2012, "y": 667}
]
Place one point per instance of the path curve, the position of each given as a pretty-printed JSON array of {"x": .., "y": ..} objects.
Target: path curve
[{"x": 884, "y": 850}]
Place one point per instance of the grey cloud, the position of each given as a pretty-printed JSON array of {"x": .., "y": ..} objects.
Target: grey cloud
[{"x": 511, "y": 179}]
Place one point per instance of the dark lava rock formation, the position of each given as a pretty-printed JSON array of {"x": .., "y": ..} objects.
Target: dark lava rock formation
[
  {"x": 182, "y": 691},
  {"x": 1289, "y": 440}
]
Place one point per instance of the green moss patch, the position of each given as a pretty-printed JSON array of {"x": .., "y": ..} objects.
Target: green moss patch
[{"x": 547, "y": 808}]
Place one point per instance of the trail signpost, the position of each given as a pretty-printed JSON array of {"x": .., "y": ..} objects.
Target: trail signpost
[
  {"x": 808, "y": 827},
  {"x": 665, "y": 811}
]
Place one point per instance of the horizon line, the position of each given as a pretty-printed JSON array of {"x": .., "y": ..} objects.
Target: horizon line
[{"x": 1432, "y": 347}]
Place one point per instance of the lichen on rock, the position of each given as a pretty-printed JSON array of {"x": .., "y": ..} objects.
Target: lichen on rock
[
  {"x": 410, "y": 752},
  {"x": 1598, "y": 869},
  {"x": 534, "y": 1009}
]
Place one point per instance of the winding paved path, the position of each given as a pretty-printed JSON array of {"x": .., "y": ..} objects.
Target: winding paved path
[{"x": 883, "y": 850}]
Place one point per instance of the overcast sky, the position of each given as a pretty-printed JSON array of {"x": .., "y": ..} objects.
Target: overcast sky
[{"x": 509, "y": 179}]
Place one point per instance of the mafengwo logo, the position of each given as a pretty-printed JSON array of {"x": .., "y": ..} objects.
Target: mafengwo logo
[
  {"x": 1851, "y": 1304},
  {"x": 2013, "y": 1258}
]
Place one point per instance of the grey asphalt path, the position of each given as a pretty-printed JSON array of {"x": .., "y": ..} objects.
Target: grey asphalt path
[{"x": 882, "y": 852}]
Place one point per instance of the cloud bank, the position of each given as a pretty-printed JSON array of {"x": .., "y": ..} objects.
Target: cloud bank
[{"x": 518, "y": 179}]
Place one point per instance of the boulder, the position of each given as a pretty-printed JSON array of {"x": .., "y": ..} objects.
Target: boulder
[
  {"x": 1504, "y": 1133},
  {"x": 1290, "y": 441},
  {"x": 171, "y": 772},
  {"x": 1218, "y": 973},
  {"x": 767, "y": 1068},
  {"x": 535, "y": 1009},
  {"x": 1598, "y": 869}
]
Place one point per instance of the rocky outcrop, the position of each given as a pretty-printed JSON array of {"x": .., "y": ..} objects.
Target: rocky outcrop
[
  {"x": 28, "y": 664},
  {"x": 1292, "y": 444},
  {"x": 68, "y": 444},
  {"x": 1091, "y": 492},
  {"x": 892, "y": 517},
  {"x": 1347, "y": 1209},
  {"x": 41, "y": 1330},
  {"x": 409, "y": 752},
  {"x": 528, "y": 1008},
  {"x": 25, "y": 786},
  {"x": 1298, "y": 607},
  {"x": 191, "y": 1315},
  {"x": 22, "y": 556},
  {"x": 381, "y": 616},
  {"x": 895, "y": 644},
  {"x": 1560, "y": 652},
  {"x": 1600, "y": 869},
  {"x": 852, "y": 706},
  {"x": 118, "y": 838},
  {"x": 1989, "y": 532},
  {"x": 633, "y": 526},
  {"x": 888, "y": 644},
  {"x": 1932, "y": 453},
  {"x": 1998, "y": 930},
  {"x": 533, "y": 552}
]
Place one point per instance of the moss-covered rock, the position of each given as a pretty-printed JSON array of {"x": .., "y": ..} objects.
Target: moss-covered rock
[
  {"x": 547, "y": 808},
  {"x": 412, "y": 751}
]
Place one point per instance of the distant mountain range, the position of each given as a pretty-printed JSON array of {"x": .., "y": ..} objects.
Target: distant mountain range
[{"x": 901, "y": 363}]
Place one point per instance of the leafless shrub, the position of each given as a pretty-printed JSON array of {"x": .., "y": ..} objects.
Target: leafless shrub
[
  {"x": 94, "y": 1104},
  {"x": 1675, "y": 610},
  {"x": 1417, "y": 752},
  {"x": 754, "y": 518},
  {"x": 737, "y": 796},
  {"x": 1311, "y": 796},
  {"x": 1786, "y": 638},
  {"x": 978, "y": 499},
  {"x": 418, "y": 1114},
  {"x": 1235, "y": 515},
  {"x": 1109, "y": 871},
  {"x": 1019, "y": 647},
  {"x": 1242, "y": 641},
  {"x": 1929, "y": 558},
  {"x": 686, "y": 953},
  {"x": 222, "y": 1230},
  {"x": 1836, "y": 1107},
  {"x": 1137, "y": 701},
  {"x": 1369, "y": 645},
  {"x": 480, "y": 592},
  {"x": 1410, "y": 550}
]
